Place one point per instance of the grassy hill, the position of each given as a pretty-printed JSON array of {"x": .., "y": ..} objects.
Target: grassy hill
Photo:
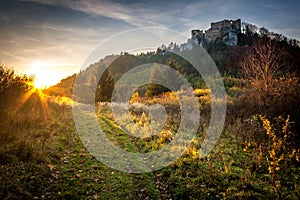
[{"x": 257, "y": 156}]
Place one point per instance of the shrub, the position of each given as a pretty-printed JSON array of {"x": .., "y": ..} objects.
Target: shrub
[
  {"x": 12, "y": 87},
  {"x": 235, "y": 92},
  {"x": 279, "y": 152}
]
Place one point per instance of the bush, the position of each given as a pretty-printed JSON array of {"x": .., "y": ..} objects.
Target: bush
[
  {"x": 235, "y": 92},
  {"x": 12, "y": 87}
]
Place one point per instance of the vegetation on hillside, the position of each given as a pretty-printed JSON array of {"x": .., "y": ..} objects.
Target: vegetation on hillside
[{"x": 256, "y": 157}]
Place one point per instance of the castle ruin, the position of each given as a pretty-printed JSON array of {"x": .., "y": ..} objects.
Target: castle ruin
[{"x": 225, "y": 30}]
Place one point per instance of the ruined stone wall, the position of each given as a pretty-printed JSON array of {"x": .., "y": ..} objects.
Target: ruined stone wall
[
  {"x": 213, "y": 34},
  {"x": 227, "y": 30},
  {"x": 236, "y": 24}
]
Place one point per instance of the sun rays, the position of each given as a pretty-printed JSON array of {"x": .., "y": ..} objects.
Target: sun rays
[
  {"x": 35, "y": 104},
  {"x": 32, "y": 103}
]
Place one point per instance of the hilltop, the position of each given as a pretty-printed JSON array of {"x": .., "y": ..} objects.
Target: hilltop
[{"x": 226, "y": 41}]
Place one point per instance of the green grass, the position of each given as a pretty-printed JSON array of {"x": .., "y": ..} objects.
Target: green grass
[{"x": 58, "y": 166}]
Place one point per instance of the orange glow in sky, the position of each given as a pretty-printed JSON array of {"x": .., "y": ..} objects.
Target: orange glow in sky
[{"x": 46, "y": 73}]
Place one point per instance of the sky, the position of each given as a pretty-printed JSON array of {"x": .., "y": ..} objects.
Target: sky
[{"x": 53, "y": 38}]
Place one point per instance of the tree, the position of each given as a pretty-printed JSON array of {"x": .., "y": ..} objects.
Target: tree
[
  {"x": 263, "y": 62},
  {"x": 249, "y": 29},
  {"x": 105, "y": 87},
  {"x": 216, "y": 51},
  {"x": 154, "y": 89},
  {"x": 270, "y": 87},
  {"x": 263, "y": 31}
]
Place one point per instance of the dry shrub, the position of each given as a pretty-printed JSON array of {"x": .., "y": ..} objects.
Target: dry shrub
[
  {"x": 270, "y": 89},
  {"x": 280, "y": 98}
]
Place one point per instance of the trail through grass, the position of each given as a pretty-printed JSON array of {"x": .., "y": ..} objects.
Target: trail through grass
[
  {"x": 77, "y": 174},
  {"x": 231, "y": 171}
]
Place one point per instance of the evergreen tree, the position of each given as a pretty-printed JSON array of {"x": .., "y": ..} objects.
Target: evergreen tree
[
  {"x": 154, "y": 89},
  {"x": 105, "y": 87}
]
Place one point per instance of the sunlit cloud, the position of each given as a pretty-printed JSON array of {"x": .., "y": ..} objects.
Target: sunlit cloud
[{"x": 13, "y": 56}]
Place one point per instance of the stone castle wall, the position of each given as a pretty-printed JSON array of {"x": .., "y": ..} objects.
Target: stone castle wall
[{"x": 225, "y": 30}]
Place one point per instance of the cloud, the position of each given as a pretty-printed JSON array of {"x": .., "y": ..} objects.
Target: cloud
[
  {"x": 134, "y": 14},
  {"x": 70, "y": 29},
  {"x": 21, "y": 50},
  {"x": 161, "y": 14},
  {"x": 176, "y": 15},
  {"x": 20, "y": 58}
]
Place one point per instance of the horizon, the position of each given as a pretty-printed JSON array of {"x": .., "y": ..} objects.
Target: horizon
[{"x": 52, "y": 39}]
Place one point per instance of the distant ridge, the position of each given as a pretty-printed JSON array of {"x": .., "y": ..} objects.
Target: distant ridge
[
  {"x": 63, "y": 88},
  {"x": 225, "y": 41}
]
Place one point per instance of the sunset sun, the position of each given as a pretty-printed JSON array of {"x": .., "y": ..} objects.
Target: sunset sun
[{"x": 44, "y": 73}]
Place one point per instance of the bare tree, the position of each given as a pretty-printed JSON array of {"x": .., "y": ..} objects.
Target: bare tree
[
  {"x": 263, "y": 62},
  {"x": 264, "y": 68}
]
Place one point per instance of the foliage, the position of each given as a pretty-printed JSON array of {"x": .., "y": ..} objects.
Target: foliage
[
  {"x": 69, "y": 171},
  {"x": 270, "y": 90},
  {"x": 105, "y": 87},
  {"x": 10, "y": 80},
  {"x": 216, "y": 51},
  {"x": 63, "y": 88},
  {"x": 156, "y": 74},
  {"x": 256, "y": 157},
  {"x": 12, "y": 87},
  {"x": 263, "y": 62}
]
